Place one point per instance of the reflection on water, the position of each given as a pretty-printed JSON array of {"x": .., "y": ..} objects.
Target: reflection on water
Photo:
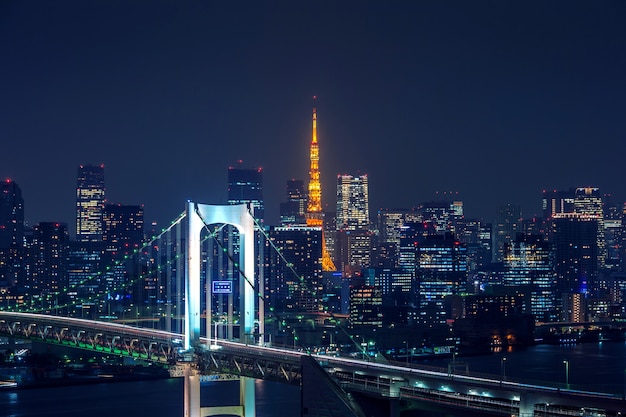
[{"x": 591, "y": 366}]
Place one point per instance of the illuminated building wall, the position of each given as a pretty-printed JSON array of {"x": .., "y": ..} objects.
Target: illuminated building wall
[
  {"x": 365, "y": 306},
  {"x": 352, "y": 203},
  {"x": 529, "y": 262},
  {"x": 441, "y": 272},
  {"x": 90, "y": 199}
]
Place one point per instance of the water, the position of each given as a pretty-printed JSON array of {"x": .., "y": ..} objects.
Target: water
[
  {"x": 591, "y": 366},
  {"x": 155, "y": 398}
]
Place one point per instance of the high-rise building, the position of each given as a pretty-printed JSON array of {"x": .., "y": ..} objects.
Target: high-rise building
[
  {"x": 353, "y": 245},
  {"x": 12, "y": 266},
  {"x": 295, "y": 280},
  {"x": 245, "y": 186},
  {"x": 508, "y": 224},
  {"x": 588, "y": 202},
  {"x": 123, "y": 227},
  {"x": 90, "y": 199},
  {"x": 575, "y": 238},
  {"x": 315, "y": 213},
  {"x": 529, "y": 263},
  {"x": 440, "y": 216},
  {"x": 123, "y": 235},
  {"x": 366, "y": 304},
  {"x": 442, "y": 272},
  {"x": 352, "y": 202},
  {"x": 557, "y": 202},
  {"x": 293, "y": 211},
  {"x": 48, "y": 277}
]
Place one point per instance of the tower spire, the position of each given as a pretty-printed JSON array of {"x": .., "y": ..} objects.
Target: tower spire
[{"x": 315, "y": 215}]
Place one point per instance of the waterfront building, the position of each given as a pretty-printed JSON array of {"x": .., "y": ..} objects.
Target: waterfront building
[{"x": 90, "y": 200}]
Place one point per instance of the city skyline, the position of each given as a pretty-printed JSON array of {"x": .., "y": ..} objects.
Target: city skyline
[{"x": 495, "y": 101}]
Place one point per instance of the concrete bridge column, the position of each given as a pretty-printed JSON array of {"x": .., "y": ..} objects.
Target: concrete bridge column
[
  {"x": 247, "y": 397},
  {"x": 191, "y": 392},
  {"x": 527, "y": 404},
  {"x": 394, "y": 407}
]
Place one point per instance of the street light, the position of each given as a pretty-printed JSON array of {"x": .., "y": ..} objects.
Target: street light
[
  {"x": 566, "y": 373},
  {"x": 503, "y": 368}
]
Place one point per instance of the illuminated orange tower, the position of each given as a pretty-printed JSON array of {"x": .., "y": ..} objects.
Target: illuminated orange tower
[{"x": 315, "y": 215}]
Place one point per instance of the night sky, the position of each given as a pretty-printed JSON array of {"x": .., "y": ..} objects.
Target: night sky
[{"x": 494, "y": 100}]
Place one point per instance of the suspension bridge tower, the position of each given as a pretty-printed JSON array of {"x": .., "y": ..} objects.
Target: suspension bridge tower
[{"x": 315, "y": 215}]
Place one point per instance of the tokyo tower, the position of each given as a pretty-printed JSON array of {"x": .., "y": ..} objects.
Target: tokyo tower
[{"x": 315, "y": 215}]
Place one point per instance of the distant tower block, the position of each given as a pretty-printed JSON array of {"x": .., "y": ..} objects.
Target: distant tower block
[
  {"x": 199, "y": 216},
  {"x": 315, "y": 215}
]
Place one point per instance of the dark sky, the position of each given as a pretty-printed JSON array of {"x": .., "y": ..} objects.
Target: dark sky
[{"x": 494, "y": 100}]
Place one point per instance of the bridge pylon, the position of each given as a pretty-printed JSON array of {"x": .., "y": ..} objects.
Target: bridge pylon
[{"x": 200, "y": 216}]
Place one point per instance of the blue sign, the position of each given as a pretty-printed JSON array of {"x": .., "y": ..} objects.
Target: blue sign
[{"x": 222, "y": 287}]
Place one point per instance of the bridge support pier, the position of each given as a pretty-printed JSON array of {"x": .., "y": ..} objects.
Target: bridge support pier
[
  {"x": 247, "y": 398},
  {"x": 191, "y": 392},
  {"x": 394, "y": 407}
]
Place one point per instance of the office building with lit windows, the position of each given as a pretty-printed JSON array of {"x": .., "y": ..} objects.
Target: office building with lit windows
[
  {"x": 293, "y": 211},
  {"x": 295, "y": 280},
  {"x": 529, "y": 263},
  {"x": 441, "y": 272},
  {"x": 352, "y": 203},
  {"x": 90, "y": 200},
  {"x": 576, "y": 250},
  {"x": 365, "y": 306},
  {"x": 353, "y": 244},
  {"x": 49, "y": 254},
  {"x": 245, "y": 186}
]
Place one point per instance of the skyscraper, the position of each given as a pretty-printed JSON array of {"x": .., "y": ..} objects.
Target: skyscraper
[
  {"x": 295, "y": 282},
  {"x": 90, "y": 199},
  {"x": 293, "y": 211},
  {"x": 508, "y": 224},
  {"x": 442, "y": 272},
  {"x": 352, "y": 202},
  {"x": 529, "y": 263},
  {"x": 315, "y": 215},
  {"x": 123, "y": 227},
  {"x": 49, "y": 256},
  {"x": 11, "y": 233},
  {"x": 245, "y": 186}
]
